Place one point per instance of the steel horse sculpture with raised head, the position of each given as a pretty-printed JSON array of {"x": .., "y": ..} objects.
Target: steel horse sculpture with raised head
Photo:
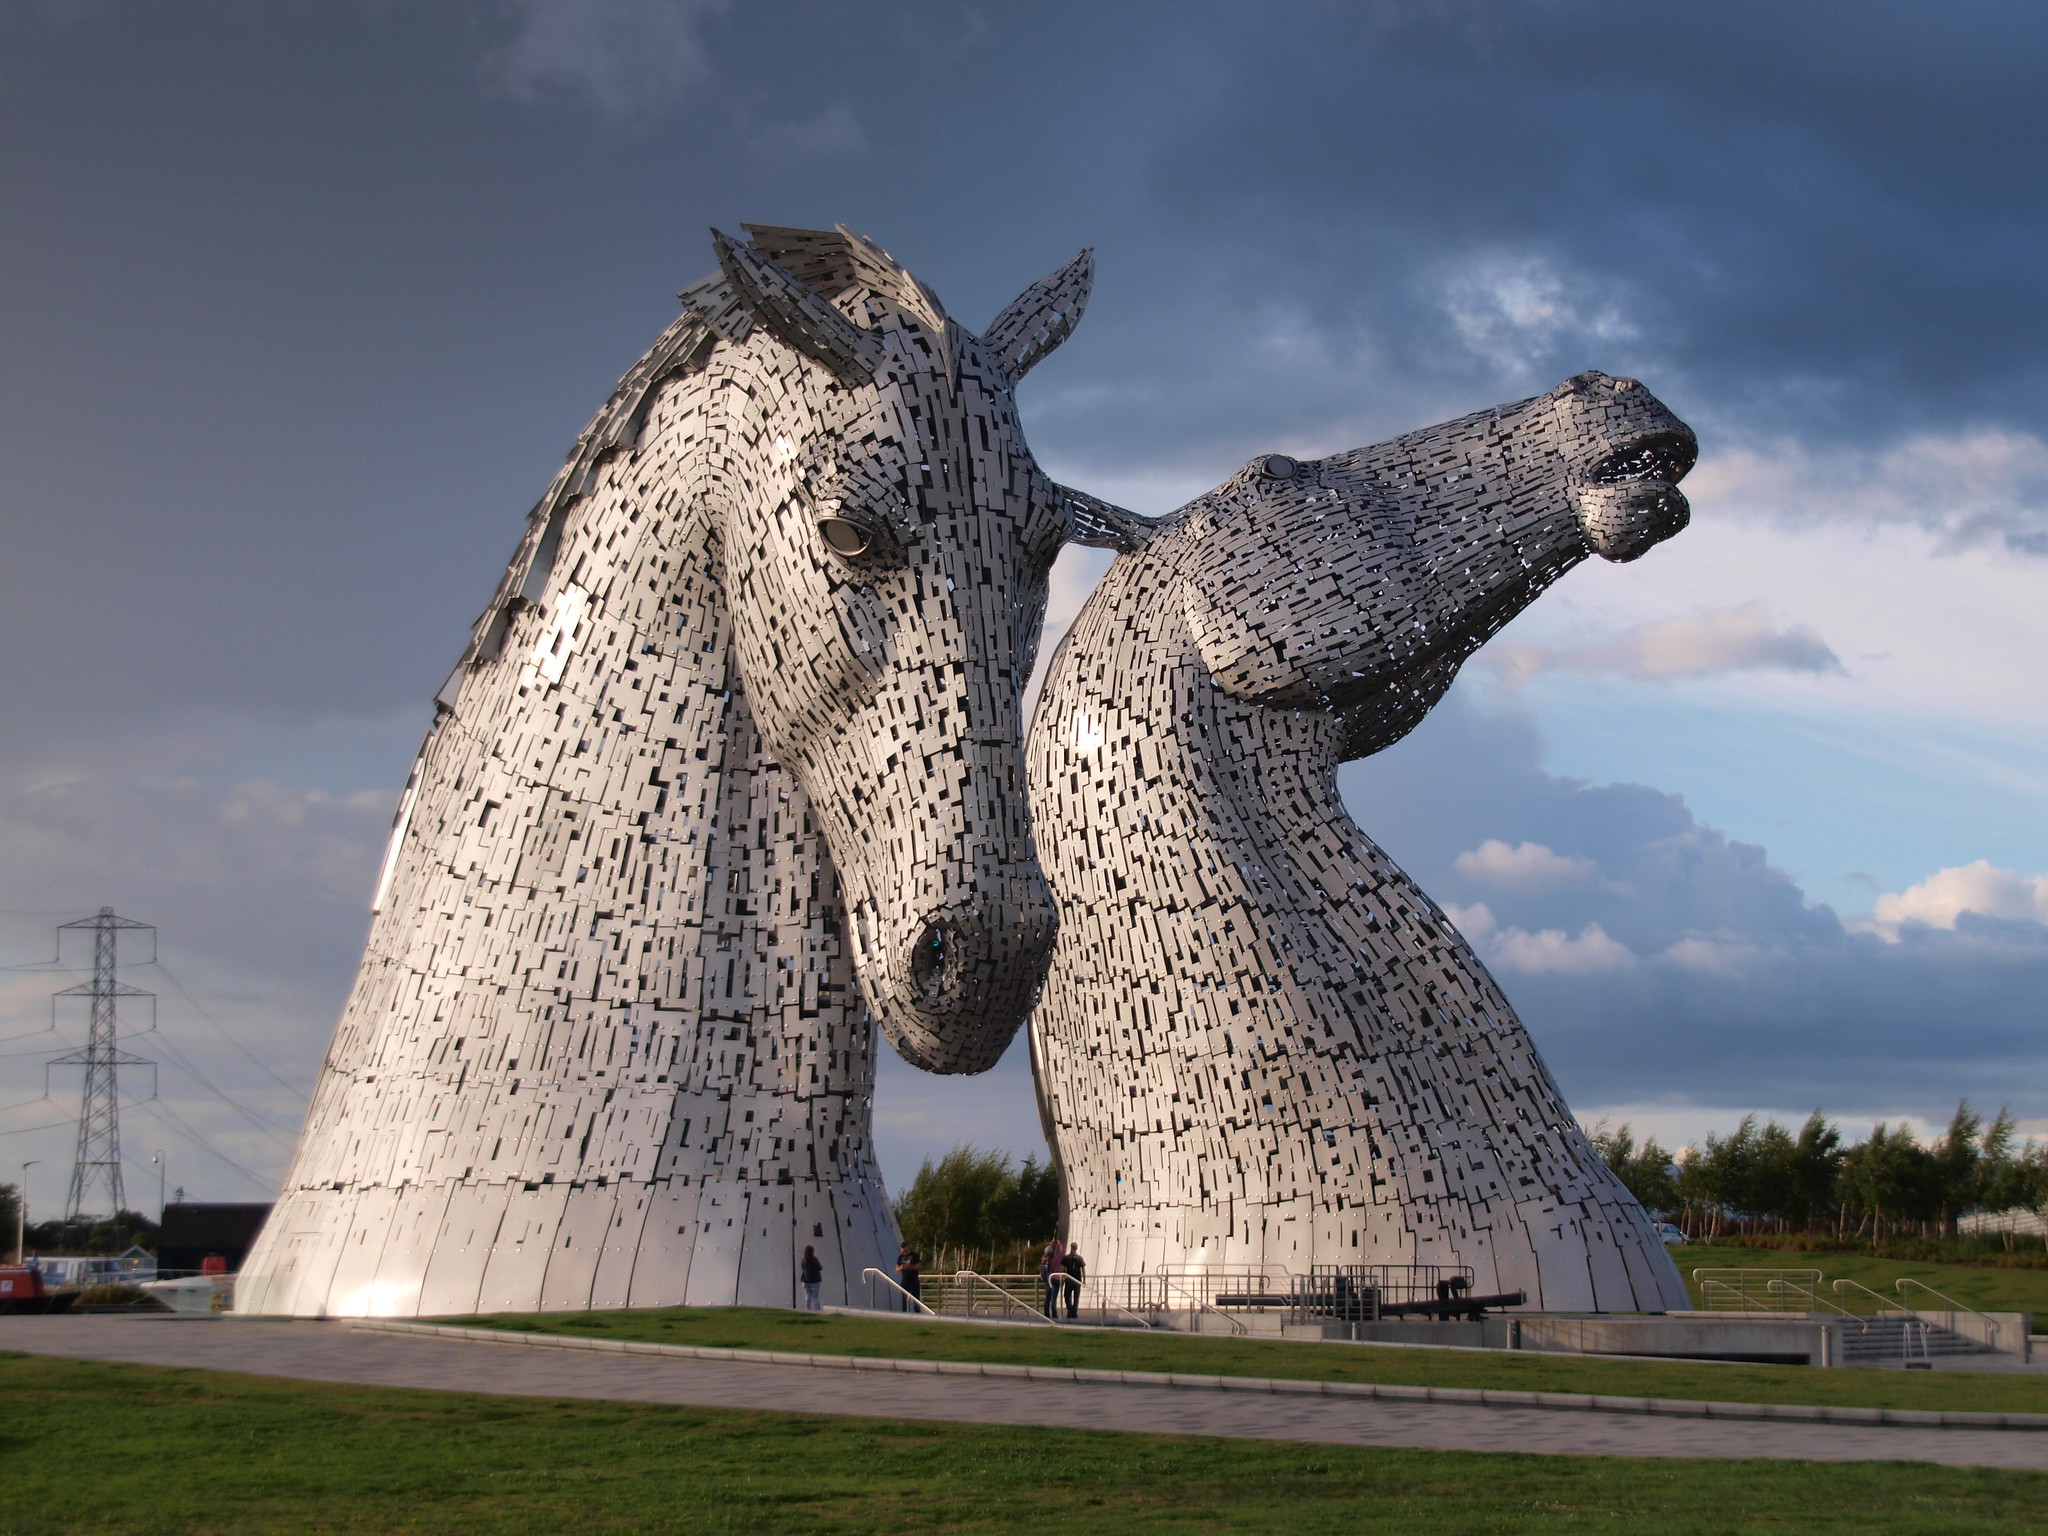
[
  {"x": 735, "y": 750},
  {"x": 1261, "y": 1045}
]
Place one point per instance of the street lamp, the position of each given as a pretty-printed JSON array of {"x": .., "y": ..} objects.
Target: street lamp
[
  {"x": 157, "y": 1157},
  {"x": 21, "y": 1212}
]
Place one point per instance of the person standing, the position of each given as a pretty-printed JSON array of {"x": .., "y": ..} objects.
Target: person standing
[
  {"x": 1076, "y": 1270},
  {"x": 812, "y": 1273},
  {"x": 1051, "y": 1275},
  {"x": 910, "y": 1275}
]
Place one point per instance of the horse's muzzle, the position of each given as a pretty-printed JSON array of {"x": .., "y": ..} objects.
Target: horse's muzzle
[{"x": 969, "y": 973}]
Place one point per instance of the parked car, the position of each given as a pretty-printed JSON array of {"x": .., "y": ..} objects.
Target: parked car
[{"x": 1671, "y": 1235}]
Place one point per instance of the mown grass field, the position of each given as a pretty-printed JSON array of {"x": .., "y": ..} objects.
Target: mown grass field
[
  {"x": 1974, "y": 1285},
  {"x": 116, "y": 1449},
  {"x": 1117, "y": 1350}
]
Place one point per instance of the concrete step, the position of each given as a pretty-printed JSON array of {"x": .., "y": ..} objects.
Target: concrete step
[{"x": 1890, "y": 1337}]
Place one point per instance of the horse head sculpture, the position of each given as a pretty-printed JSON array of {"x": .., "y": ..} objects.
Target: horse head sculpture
[
  {"x": 1260, "y": 1043},
  {"x": 1325, "y": 585},
  {"x": 886, "y": 539},
  {"x": 733, "y": 762}
]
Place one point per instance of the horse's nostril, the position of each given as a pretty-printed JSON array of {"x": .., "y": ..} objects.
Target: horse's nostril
[
  {"x": 928, "y": 959},
  {"x": 1656, "y": 456}
]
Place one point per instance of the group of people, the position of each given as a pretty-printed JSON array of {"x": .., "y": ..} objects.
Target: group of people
[{"x": 1060, "y": 1272}]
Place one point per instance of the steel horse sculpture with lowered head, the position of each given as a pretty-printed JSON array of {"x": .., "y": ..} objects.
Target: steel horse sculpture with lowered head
[
  {"x": 735, "y": 751},
  {"x": 1261, "y": 1045}
]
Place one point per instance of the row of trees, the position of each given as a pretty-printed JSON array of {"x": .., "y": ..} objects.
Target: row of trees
[
  {"x": 977, "y": 1210},
  {"x": 1766, "y": 1176}
]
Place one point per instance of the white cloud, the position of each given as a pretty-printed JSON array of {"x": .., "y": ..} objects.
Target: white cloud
[
  {"x": 1941, "y": 898},
  {"x": 1972, "y": 488},
  {"x": 1721, "y": 954},
  {"x": 1514, "y": 308},
  {"x": 1474, "y": 922},
  {"x": 623, "y": 56},
  {"x": 1551, "y": 951},
  {"x": 1737, "y": 639},
  {"x": 1525, "y": 867}
]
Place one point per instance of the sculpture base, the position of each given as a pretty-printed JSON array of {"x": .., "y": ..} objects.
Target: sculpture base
[{"x": 463, "y": 1250}]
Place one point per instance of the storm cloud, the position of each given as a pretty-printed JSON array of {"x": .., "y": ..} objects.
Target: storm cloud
[{"x": 302, "y": 305}]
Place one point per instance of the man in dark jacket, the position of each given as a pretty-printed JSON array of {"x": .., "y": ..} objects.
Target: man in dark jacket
[
  {"x": 909, "y": 1275},
  {"x": 1076, "y": 1270}
]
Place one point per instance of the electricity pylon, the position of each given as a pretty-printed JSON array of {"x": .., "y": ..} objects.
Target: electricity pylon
[{"x": 98, "y": 1164}]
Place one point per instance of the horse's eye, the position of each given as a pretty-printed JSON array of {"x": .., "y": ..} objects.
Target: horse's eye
[
  {"x": 853, "y": 530},
  {"x": 845, "y": 537}
]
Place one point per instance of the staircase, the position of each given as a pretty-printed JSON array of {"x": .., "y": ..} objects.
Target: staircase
[{"x": 1895, "y": 1336}]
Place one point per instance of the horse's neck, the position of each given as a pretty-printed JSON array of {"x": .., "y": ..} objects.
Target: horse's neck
[
  {"x": 1207, "y": 793},
  {"x": 597, "y": 795}
]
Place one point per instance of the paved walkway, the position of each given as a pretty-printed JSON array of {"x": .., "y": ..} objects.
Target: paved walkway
[{"x": 334, "y": 1352}]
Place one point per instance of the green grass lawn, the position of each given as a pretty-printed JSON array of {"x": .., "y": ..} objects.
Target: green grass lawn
[
  {"x": 1117, "y": 1350},
  {"x": 1974, "y": 1285},
  {"x": 86, "y": 1447}
]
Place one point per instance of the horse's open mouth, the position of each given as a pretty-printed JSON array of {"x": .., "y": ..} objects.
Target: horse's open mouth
[{"x": 1658, "y": 456}]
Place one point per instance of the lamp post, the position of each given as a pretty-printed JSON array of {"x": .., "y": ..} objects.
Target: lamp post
[
  {"x": 21, "y": 1213},
  {"x": 157, "y": 1157}
]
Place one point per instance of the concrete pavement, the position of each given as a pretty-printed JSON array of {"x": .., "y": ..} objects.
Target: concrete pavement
[{"x": 328, "y": 1351}]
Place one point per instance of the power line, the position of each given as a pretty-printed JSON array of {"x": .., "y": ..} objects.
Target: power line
[
  {"x": 263, "y": 1123},
  {"x": 54, "y": 1125},
  {"x": 232, "y": 1039},
  {"x": 161, "y": 1111},
  {"x": 39, "y": 1051},
  {"x": 47, "y": 1029}
]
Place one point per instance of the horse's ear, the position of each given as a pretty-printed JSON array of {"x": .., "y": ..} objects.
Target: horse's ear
[
  {"x": 1104, "y": 525},
  {"x": 1042, "y": 317},
  {"x": 796, "y": 315}
]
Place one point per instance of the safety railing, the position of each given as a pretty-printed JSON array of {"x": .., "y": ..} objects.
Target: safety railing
[
  {"x": 1754, "y": 1290},
  {"x": 1083, "y": 1297},
  {"x": 982, "y": 1290},
  {"x": 1885, "y": 1305},
  {"x": 1987, "y": 1329},
  {"x": 1201, "y": 1294},
  {"x": 1815, "y": 1301},
  {"x": 875, "y": 1277},
  {"x": 1369, "y": 1293}
]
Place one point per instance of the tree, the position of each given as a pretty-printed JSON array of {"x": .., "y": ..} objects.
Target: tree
[
  {"x": 973, "y": 1203},
  {"x": 1722, "y": 1175},
  {"x": 1891, "y": 1177},
  {"x": 1644, "y": 1171},
  {"x": 1816, "y": 1170},
  {"x": 1958, "y": 1161},
  {"x": 1771, "y": 1190}
]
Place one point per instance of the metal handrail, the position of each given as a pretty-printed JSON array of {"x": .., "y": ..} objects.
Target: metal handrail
[
  {"x": 1197, "y": 1302},
  {"x": 1104, "y": 1304},
  {"x": 1782, "y": 1286},
  {"x": 1751, "y": 1286},
  {"x": 1953, "y": 1305},
  {"x": 1883, "y": 1301},
  {"x": 1009, "y": 1300},
  {"x": 1740, "y": 1293},
  {"x": 1717, "y": 1285},
  {"x": 872, "y": 1275}
]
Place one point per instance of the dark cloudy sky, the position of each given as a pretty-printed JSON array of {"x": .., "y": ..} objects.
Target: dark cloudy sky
[{"x": 300, "y": 304}]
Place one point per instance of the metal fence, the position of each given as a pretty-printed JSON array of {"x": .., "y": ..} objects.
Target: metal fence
[{"x": 1368, "y": 1293}]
